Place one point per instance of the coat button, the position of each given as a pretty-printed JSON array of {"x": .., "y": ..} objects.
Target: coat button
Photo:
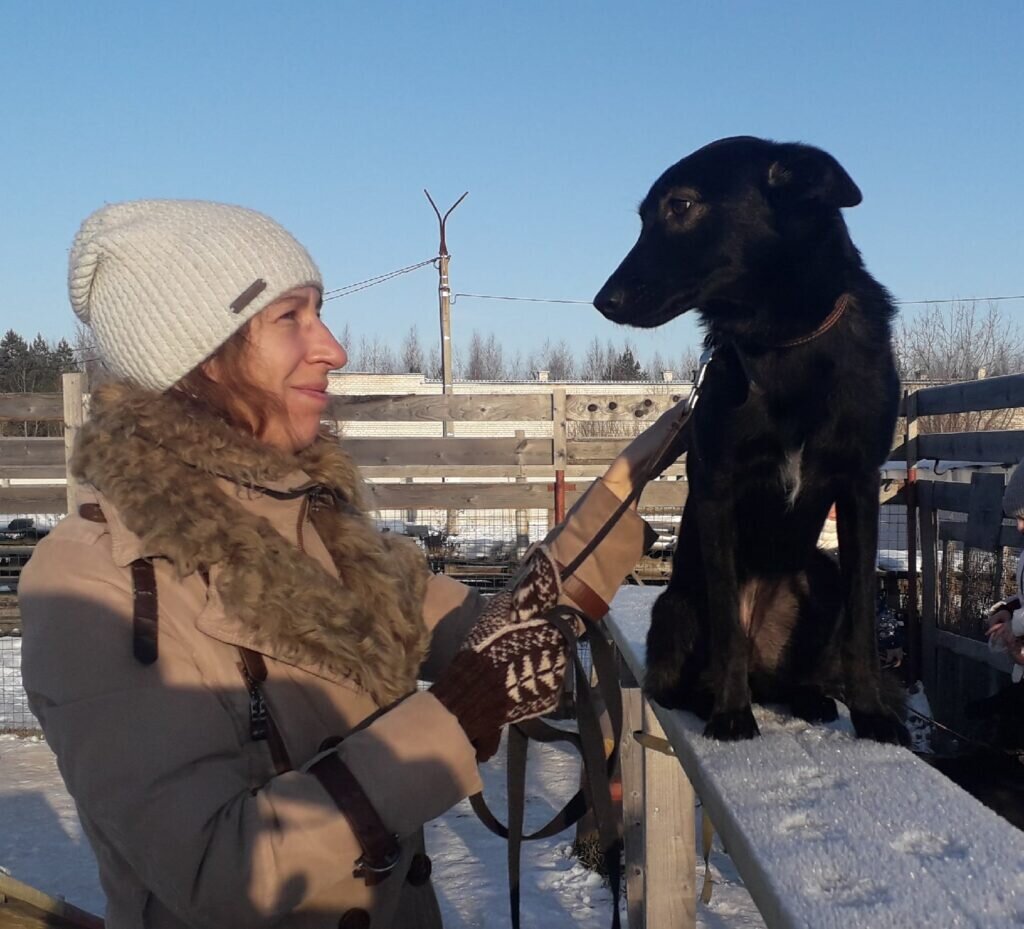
[
  {"x": 355, "y": 919},
  {"x": 419, "y": 870}
]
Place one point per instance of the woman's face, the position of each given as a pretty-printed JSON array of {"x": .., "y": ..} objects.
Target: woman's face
[{"x": 288, "y": 355}]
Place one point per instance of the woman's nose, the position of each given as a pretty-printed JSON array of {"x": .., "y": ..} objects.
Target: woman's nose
[{"x": 326, "y": 349}]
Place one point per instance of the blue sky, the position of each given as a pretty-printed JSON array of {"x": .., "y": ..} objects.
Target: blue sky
[{"x": 556, "y": 116}]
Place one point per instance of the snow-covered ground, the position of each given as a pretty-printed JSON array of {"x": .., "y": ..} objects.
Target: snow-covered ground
[{"x": 41, "y": 842}]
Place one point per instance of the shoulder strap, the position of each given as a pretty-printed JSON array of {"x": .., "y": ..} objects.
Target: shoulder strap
[{"x": 145, "y": 609}]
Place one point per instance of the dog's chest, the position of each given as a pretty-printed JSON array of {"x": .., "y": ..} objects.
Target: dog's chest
[{"x": 791, "y": 474}]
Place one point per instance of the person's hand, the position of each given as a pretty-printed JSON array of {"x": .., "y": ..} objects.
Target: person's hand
[
  {"x": 650, "y": 453},
  {"x": 512, "y": 664}
]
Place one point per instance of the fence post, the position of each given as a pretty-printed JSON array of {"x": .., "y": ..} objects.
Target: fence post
[
  {"x": 631, "y": 764},
  {"x": 558, "y": 430},
  {"x": 72, "y": 386},
  {"x": 914, "y": 644},
  {"x": 522, "y": 516},
  {"x": 670, "y": 855}
]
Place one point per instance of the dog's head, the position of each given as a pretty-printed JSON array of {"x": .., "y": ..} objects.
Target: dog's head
[{"x": 719, "y": 224}]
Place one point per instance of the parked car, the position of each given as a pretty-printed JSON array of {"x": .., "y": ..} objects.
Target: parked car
[{"x": 23, "y": 529}]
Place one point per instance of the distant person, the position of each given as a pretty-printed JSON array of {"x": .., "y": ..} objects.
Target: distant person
[
  {"x": 1006, "y": 619},
  {"x": 221, "y": 648}
]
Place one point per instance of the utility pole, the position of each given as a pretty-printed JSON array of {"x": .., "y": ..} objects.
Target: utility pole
[{"x": 444, "y": 294}]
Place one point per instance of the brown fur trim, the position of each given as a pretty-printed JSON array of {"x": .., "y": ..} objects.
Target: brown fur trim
[{"x": 156, "y": 457}]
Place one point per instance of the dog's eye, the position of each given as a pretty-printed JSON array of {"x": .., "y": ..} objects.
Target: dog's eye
[{"x": 678, "y": 208}]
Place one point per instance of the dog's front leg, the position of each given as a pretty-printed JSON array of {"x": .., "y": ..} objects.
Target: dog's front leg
[
  {"x": 731, "y": 716},
  {"x": 857, "y": 524}
]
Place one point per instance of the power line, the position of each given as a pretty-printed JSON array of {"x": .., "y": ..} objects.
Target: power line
[
  {"x": 373, "y": 281},
  {"x": 521, "y": 299},
  {"x": 590, "y": 302},
  {"x": 958, "y": 300}
]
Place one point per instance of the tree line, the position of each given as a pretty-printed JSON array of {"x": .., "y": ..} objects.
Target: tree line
[{"x": 942, "y": 342}]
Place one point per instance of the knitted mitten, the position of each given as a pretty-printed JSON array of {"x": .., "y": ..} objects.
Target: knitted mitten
[{"x": 512, "y": 664}]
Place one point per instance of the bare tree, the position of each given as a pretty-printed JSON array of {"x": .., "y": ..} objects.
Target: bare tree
[
  {"x": 655, "y": 367},
  {"x": 485, "y": 361},
  {"x": 374, "y": 357},
  {"x": 595, "y": 363},
  {"x": 555, "y": 358},
  {"x": 959, "y": 342},
  {"x": 689, "y": 362},
  {"x": 412, "y": 353}
]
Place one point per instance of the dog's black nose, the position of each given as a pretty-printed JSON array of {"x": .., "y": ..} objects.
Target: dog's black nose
[{"x": 609, "y": 300}]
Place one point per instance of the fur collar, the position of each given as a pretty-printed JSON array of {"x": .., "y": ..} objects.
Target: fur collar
[{"x": 156, "y": 458}]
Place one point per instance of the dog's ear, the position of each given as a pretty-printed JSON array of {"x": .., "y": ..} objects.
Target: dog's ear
[{"x": 809, "y": 174}]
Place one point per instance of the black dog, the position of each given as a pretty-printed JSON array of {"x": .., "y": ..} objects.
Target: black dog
[{"x": 797, "y": 411}]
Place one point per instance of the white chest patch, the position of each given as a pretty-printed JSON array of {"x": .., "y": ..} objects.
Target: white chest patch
[{"x": 790, "y": 474}]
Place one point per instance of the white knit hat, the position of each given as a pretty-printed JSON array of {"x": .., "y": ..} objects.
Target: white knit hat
[{"x": 164, "y": 283}]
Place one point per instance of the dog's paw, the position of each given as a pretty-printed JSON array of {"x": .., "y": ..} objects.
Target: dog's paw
[
  {"x": 732, "y": 726},
  {"x": 882, "y": 727},
  {"x": 813, "y": 706}
]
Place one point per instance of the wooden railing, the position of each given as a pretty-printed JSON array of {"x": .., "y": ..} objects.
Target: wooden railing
[
  {"x": 483, "y": 465},
  {"x": 978, "y": 523}
]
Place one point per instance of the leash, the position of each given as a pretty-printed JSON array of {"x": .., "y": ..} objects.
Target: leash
[
  {"x": 598, "y": 767},
  {"x": 1009, "y": 752}
]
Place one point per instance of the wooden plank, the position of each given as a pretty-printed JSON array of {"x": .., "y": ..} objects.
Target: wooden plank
[
  {"x": 631, "y": 764},
  {"x": 985, "y": 514},
  {"x": 928, "y": 518},
  {"x": 621, "y": 407},
  {"x": 488, "y": 496},
  {"x": 475, "y": 496},
  {"x": 73, "y": 388},
  {"x": 670, "y": 898},
  {"x": 947, "y": 495},
  {"x": 1006, "y": 447},
  {"x": 588, "y": 451},
  {"x": 31, "y": 408},
  {"x": 950, "y": 531},
  {"x": 22, "y": 905},
  {"x": 452, "y": 451},
  {"x": 973, "y": 649},
  {"x": 24, "y": 452},
  {"x": 34, "y": 499},
  {"x": 558, "y": 431},
  {"x": 990, "y": 393},
  {"x": 440, "y": 407}
]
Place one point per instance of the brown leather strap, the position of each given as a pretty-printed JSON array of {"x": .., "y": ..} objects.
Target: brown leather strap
[
  {"x": 261, "y": 722},
  {"x": 583, "y": 595},
  {"x": 145, "y": 612},
  {"x": 381, "y": 850},
  {"x": 92, "y": 512}
]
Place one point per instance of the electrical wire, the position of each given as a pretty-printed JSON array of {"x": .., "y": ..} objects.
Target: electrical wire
[
  {"x": 337, "y": 292},
  {"x": 590, "y": 302}
]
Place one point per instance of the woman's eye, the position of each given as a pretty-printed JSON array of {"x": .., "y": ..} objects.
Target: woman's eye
[
  {"x": 290, "y": 315},
  {"x": 678, "y": 207}
]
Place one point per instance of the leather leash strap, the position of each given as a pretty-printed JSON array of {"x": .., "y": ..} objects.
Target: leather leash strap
[
  {"x": 598, "y": 767},
  {"x": 381, "y": 849}
]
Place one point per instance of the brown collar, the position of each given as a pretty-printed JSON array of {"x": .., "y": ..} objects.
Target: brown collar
[{"x": 842, "y": 302}]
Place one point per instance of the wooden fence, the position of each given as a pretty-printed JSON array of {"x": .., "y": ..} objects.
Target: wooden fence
[
  {"x": 483, "y": 465},
  {"x": 957, "y": 524}
]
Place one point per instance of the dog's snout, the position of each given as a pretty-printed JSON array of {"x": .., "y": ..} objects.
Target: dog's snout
[{"x": 610, "y": 299}]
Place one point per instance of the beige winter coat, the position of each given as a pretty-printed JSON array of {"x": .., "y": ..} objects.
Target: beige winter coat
[{"x": 190, "y": 823}]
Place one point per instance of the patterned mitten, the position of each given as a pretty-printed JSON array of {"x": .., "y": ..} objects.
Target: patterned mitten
[{"x": 512, "y": 664}]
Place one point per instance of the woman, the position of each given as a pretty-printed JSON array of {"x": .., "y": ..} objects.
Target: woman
[{"x": 220, "y": 647}]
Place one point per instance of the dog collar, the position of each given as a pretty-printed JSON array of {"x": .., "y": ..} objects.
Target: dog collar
[{"x": 842, "y": 302}]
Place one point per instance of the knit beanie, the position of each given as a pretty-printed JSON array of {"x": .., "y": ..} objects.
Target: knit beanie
[
  {"x": 163, "y": 284},
  {"x": 1013, "y": 496}
]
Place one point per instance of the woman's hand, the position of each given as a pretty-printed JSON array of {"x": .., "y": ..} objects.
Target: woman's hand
[{"x": 650, "y": 453}]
